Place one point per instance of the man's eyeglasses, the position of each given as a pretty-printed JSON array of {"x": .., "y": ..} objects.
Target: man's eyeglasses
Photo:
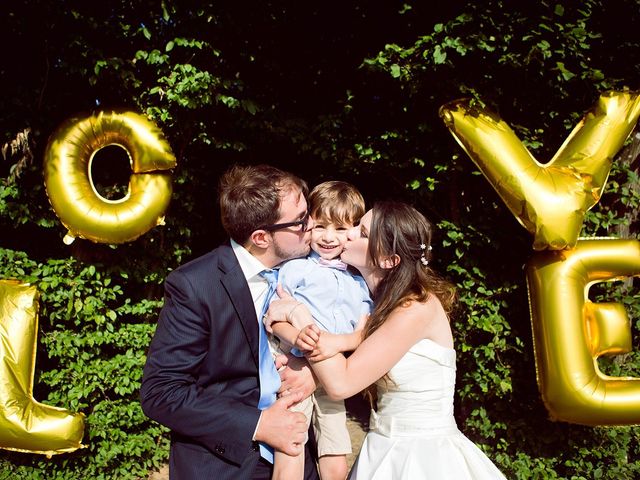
[{"x": 300, "y": 224}]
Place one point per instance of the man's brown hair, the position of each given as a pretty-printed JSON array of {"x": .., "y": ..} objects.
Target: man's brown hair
[{"x": 250, "y": 197}]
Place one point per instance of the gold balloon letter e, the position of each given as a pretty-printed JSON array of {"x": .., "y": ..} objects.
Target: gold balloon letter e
[
  {"x": 570, "y": 332},
  {"x": 26, "y": 425}
]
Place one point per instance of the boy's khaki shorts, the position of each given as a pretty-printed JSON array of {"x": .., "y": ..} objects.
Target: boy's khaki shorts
[
  {"x": 330, "y": 425},
  {"x": 329, "y": 417}
]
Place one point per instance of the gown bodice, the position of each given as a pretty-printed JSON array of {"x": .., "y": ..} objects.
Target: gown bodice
[
  {"x": 421, "y": 384},
  {"x": 413, "y": 433}
]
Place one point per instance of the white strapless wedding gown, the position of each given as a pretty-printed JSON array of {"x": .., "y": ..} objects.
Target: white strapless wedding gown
[{"x": 413, "y": 435}]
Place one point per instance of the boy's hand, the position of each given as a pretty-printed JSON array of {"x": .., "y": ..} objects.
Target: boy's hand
[
  {"x": 308, "y": 338},
  {"x": 327, "y": 345}
]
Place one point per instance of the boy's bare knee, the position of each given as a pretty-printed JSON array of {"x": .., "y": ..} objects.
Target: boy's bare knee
[{"x": 333, "y": 467}]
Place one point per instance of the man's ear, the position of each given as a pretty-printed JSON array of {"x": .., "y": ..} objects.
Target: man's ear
[
  {"x": 390, "y": 261},
  {"x": 260, "y": 238}
]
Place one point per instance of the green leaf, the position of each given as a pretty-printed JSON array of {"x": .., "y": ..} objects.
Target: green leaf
[{"x": 439, "y": 55}]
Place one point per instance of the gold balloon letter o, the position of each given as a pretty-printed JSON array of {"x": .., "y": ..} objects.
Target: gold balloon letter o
[{"x": 70, "y": 188}]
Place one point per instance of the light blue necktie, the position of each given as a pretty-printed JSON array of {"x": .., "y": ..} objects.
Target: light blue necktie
[{"x": 269, "y": 378}]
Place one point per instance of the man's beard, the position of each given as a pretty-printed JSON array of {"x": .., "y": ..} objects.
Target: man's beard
[{"x": 303, "y": 251}]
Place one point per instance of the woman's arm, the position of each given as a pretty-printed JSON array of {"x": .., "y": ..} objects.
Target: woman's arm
[
  {"x": 376, "y": 355},
  {"x": 307, "y": 340},
  {"x": 289, "y": 319},
  {"x": 343, "y": 377}
]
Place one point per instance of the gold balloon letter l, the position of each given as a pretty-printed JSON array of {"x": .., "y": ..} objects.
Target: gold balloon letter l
[
  {"x": 548, "y": 200},
  {"x": 26, "y": 425}
]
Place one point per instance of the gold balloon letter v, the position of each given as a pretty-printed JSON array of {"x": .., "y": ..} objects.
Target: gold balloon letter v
[
  {"x": 569, "y": 331},
  {"x": 26, "y": 425}
]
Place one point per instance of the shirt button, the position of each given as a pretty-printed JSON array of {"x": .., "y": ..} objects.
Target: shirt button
[{"x": 219, "y": 449}]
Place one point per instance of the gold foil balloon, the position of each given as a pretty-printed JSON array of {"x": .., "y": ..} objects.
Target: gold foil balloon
[
  {"x": 548, "y": 200},
  {"x": 26, "y": 425},
  {"x": 570, "y": 332},
  {"x": 73, "y": 196}
]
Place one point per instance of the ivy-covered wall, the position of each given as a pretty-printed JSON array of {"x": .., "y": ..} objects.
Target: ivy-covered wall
[{"x": 329, "y": 91}]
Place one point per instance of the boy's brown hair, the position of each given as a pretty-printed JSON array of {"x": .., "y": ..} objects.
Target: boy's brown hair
[{"x": 337, "y": 202}]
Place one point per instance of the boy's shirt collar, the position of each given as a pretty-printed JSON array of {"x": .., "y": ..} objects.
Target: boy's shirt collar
[{"x": 333, "y": 263}]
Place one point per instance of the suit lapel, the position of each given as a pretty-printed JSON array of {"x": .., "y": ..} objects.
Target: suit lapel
[{"x": 238, "y": 291}]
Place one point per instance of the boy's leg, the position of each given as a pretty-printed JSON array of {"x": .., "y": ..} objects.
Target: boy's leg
[
  {"x": 286, "y": 467},
  {"x": 330, "y": 425},
  {"x": 333, "y": 467}
]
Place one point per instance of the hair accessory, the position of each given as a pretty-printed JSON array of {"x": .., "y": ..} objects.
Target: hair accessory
[{"x": 423, "y": 258}]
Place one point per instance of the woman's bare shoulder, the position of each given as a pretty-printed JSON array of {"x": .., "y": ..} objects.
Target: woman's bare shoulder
[
  {"x": 431, "y": 316},
  {"x": 416, "y": 312},
  {"x": 429, "y": 307}
]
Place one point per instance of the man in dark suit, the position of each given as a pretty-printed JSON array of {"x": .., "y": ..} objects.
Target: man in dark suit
[{"x": 201, "y": 378}]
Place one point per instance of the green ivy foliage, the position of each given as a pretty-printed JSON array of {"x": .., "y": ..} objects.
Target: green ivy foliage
[
  {"x": 330, "y": 90},
  {"x": 539, "y": 67},
  {"x": 91, "y": 350}
]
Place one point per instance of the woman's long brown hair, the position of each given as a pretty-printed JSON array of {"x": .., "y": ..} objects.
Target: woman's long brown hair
[{"x": 399, "y": 229}]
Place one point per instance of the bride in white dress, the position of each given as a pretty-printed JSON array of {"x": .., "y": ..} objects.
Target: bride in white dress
[{"x": 406, "y": 355}]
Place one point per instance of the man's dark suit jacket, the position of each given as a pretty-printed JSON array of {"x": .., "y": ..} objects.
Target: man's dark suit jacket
[{"x": 201, "y": 374}]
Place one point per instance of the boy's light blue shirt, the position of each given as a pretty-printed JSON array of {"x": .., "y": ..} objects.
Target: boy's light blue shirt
[{"x": 337, "y": 299}]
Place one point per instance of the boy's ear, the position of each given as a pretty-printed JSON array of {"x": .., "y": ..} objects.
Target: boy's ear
[
  {"x": 390, "y": 261},
  {"x": 260, "y": 238}
]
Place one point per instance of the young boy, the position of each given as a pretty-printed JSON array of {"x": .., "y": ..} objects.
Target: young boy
[{"x": 340, "y": 304}]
